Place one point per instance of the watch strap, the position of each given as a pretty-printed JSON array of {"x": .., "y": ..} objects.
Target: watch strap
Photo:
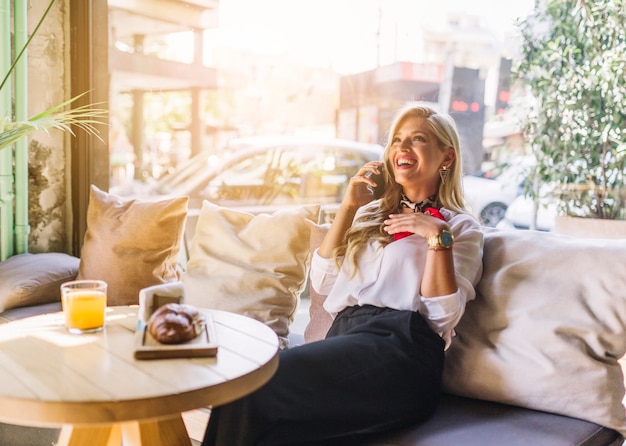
[{"x": 443, "y": 240}]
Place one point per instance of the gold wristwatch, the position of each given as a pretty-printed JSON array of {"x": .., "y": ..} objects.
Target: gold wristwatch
[{"x": 443, "y": 240}]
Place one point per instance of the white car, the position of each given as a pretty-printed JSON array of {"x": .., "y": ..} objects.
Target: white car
[
  {"x": 265, "y": 173},
  {"x": 490, "y": 193},
  {"x": 520, "y": 215}
]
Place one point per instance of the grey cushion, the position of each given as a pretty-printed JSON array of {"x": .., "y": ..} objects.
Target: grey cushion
[
  {"x": 471, "y": 422},
  {"x": 32, "y": 279},
  {"x": 22, "y": 312}
]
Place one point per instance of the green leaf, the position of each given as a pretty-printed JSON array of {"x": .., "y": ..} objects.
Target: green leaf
[
  {"x": 573, "y": 62},
  {"x": 84, "y": 117}
]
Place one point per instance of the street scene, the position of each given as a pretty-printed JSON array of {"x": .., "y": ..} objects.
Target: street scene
[{"x": 249, "y": 86}]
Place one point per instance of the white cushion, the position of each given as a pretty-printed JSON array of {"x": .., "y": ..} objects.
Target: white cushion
[
  {"x": 547, "y": 327},
  {"x": 255, "y": 265},
  {"x": 320, "y": 320}
]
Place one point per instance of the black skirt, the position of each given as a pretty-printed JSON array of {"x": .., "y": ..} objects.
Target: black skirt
[{"x": 376, "y": 370}]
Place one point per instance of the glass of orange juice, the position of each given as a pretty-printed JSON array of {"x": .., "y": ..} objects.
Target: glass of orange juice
[{"x": 84, "y": 303}]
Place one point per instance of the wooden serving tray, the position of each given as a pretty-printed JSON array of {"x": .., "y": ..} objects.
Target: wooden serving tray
[
  {"x": 146, "y": 347},
  {"x": 205, "y": 344}
]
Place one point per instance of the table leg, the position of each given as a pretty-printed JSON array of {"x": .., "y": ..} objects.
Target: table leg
[
  {"x": 96, "y": 435},
  {"x": 162, "y": 432}
]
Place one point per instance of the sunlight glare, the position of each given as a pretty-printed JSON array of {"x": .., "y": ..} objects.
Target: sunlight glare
[{"x": 349, "y": 35}]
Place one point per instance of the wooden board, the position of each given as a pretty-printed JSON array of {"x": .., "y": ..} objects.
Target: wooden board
[
  {"x": 146, "y": 347},
  {"x": 205, "y": 344}
]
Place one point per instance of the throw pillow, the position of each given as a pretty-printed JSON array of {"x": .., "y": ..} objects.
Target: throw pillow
[
  {"x": 132, "y": 244},
  {"x": 547, "y": 327},
  {"x": 319, "y": 319},
  {"x": 255, "y": 265},
  {"x": 33, "y": 279}
]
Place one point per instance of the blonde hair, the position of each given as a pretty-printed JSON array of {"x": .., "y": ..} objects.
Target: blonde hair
[{"x": 369, "y": 225}]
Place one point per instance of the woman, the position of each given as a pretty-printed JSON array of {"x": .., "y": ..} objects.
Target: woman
[{"x": 398, "y": 272}]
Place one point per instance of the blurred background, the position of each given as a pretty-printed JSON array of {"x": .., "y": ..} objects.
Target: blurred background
[{"x": 192, "y": 79}]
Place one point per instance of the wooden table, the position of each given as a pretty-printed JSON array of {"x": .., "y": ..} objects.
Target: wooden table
[{"x": 92, "y": 386}]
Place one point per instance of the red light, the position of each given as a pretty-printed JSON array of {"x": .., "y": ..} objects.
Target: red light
[
  {"x": 504, "y": 96},
  {"x": 475, "y": 106},
  {"x": 459, "y": 106}
]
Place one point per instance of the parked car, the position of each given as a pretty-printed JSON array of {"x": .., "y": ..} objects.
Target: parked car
[
  {"x": 520, "y": 213},
  {"x": 492, "y": 191},
  {"x": 263, "y": 174}
]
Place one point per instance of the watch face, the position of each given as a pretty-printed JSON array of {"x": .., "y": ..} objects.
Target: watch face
[{"x": 446, "y": 239}]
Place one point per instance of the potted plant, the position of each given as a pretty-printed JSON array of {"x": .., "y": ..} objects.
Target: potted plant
[{"x": 573, "y": 63}]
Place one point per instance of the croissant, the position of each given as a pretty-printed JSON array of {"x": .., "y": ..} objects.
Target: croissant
[{"x": 175, "y": 323}]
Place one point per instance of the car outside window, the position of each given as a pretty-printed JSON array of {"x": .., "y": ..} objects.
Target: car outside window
[{"x": 285, "y": 175}]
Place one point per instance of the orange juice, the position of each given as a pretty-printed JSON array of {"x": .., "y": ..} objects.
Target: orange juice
[{"x": 84, "y": 309}]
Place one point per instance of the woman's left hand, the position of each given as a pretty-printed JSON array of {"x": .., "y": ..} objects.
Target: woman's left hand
[{"x": 415, "y": 222}]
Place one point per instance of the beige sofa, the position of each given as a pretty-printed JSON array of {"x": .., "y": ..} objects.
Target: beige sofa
[
  {"x": 535, "y": 357},
  {"x": 534, "y": 360}
]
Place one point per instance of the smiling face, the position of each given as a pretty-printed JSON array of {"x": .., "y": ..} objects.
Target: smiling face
[{"x": 415, "y": 156}]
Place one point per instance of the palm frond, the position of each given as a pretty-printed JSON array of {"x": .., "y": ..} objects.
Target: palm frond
[
  {"x": 59, "y": 116},
  {"x": 84, "y": 117}
]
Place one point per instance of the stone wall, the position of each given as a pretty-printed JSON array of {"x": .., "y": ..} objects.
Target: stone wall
[{"x": 48, "y": 176}]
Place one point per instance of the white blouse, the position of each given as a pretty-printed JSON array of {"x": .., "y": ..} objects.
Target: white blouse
[{"x": 391, "y": 276}]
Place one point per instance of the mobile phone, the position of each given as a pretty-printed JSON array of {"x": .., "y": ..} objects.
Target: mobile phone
[{"x": 380, "y": 183}]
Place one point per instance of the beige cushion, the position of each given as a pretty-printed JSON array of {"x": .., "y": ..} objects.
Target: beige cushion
[
  {"x": 319, "y": 319},
  {"x": 547, "y": 327},
  {"x": 132, "y": 244},
  {"x": 255, "y": 265},
  {"x": 33, "y": 279}
]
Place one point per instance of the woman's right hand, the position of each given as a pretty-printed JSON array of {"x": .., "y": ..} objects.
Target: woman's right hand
[{"x": 357, "y": 193}]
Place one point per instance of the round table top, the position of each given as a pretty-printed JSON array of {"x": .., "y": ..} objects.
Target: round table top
[{"x": 51, "y": 377}]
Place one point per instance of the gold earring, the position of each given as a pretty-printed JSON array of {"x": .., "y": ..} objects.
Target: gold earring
[{"x": 443, "y": 173}]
